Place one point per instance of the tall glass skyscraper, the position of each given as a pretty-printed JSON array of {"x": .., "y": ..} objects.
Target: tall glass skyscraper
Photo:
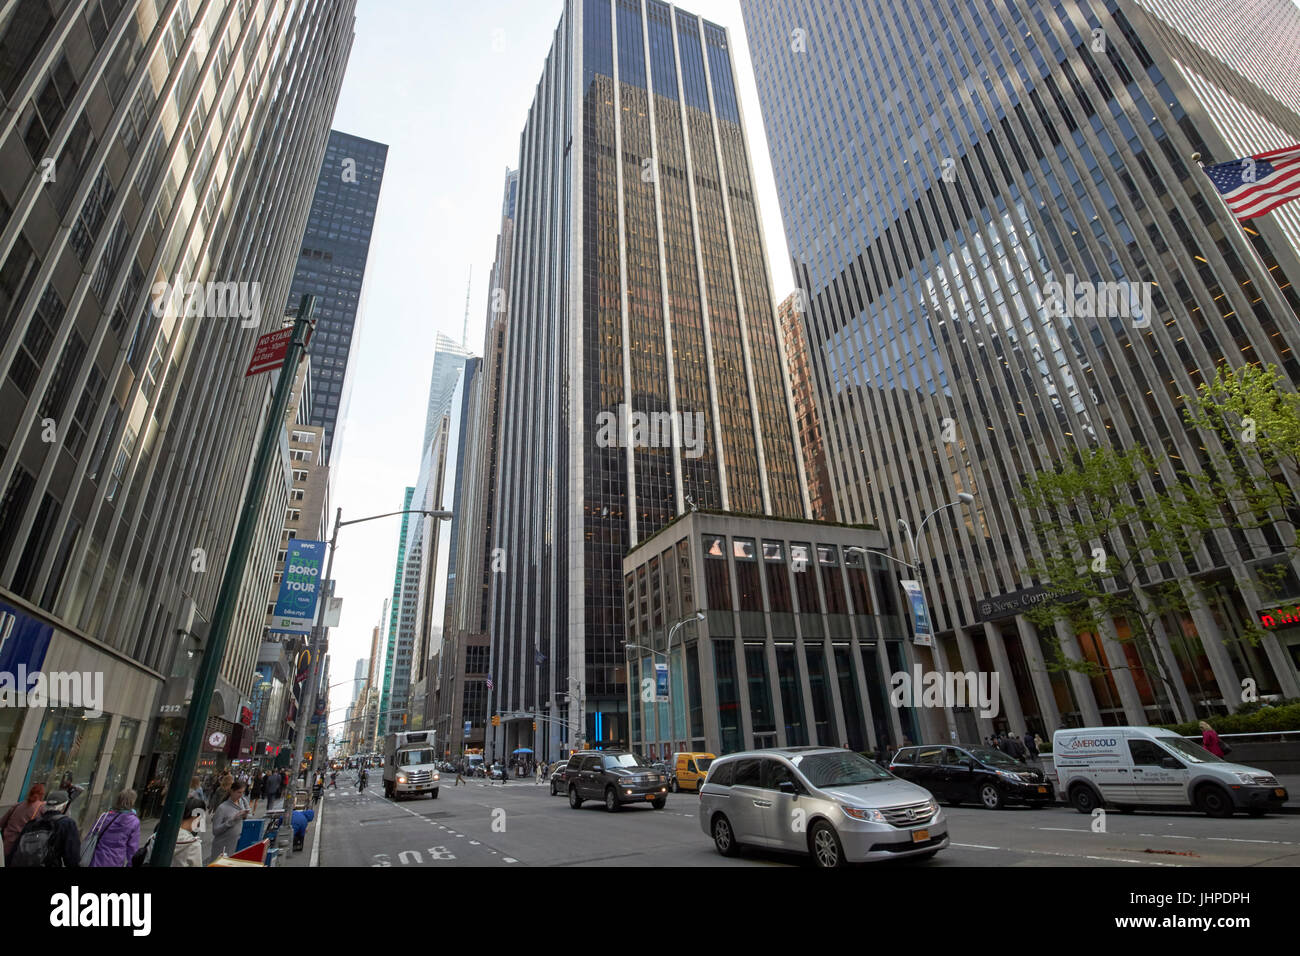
[
  {"x": 332, "y": 267},
  {"x": 147, "y": 146},
  {"x": 643, "y": 373},
  {"x": 939, "y": 165}
]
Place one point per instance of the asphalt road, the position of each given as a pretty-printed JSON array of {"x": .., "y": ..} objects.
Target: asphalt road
[{"x": 521, "y": 824}]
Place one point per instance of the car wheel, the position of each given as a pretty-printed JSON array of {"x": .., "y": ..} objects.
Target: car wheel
[
  {"x": 554, "y": 791},
  {"x": 611, "y": 800},
  {"x": 660, "y": 803},
  {"x": 434, "y": 794},
  {"x": 991, "y": 797},
  {"x": 672, "y": 785},
  {"x": 1083, "y": 799},
  {"x": 1214, "y": 801},
  {"x": 827, "y": 852},
  {"x": 575, "y": 801},
  {"x": 723, "y": 837}
]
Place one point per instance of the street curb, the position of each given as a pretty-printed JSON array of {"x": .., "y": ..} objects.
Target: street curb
[{"x": 315, "y": 840}]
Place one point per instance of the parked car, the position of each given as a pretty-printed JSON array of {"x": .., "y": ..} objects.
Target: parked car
[
  {"x": 688, "y": 770},
  {"x": 615, "y": 777},
  {"x": 849, "y": 809},
  {"x": 968, "y": 774},
  {"x": 557, "y": 779},
  {"x": 1129, "y": 767}
]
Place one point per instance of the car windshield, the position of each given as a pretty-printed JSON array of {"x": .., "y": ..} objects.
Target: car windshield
[
  {"x": 622, "y": 760},
  {"x": 994, "y": 758},
  {"x": 1190, "y": 751},
  {"x": 412, "y": 758},
  {"x": 703, "y": 763},
  {"x": 840, "y": 769}
]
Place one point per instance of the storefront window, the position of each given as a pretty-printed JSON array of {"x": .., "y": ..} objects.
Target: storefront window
[
  {"x": 67, "y": 755},
  {"x": 11, "y": 724},
  {"x": 717, "y": 582},
  {"x": 119, "y": 763}
]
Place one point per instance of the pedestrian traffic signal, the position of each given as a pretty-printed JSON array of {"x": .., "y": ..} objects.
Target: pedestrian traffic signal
[
  {"x": 496, "y": 720},
  {"x": 534, "y": 726}
]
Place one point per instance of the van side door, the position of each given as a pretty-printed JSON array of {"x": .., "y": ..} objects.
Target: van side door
[{"x": 1153, "y": 782}]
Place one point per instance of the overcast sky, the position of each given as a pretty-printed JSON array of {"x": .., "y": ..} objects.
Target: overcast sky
[{"x": 447, "y": 86}]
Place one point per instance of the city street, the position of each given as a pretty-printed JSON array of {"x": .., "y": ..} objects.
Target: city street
[{"x": 521, "y": 824}]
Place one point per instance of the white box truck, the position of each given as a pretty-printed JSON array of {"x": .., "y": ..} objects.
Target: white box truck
[
  {"x": 410, "y": 764},
  {"x": 1130, "y": 767}
]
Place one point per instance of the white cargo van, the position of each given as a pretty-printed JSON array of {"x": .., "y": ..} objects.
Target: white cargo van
[{"x": 1128, "y": 767}]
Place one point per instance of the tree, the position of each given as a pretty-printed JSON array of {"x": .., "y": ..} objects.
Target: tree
[{"x": 1107, "y": 522}]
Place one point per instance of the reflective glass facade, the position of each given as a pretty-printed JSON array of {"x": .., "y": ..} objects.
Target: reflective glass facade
[
  {"x": 643, "y": 373},
  {"x": 938, "y": 165}
]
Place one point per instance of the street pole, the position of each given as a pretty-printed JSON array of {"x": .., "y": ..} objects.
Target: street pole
[
  {"x": 308, "y": 712},
  {"x": 223, "y": 614}
]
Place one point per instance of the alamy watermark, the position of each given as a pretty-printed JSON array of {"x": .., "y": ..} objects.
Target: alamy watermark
[
  {"x": 1099, "y": 300},
  {"x": 626, "y": 428},
  {"x": 53, "y": 689},
  {"x": 946, "y": 689},
  {"x": 209, "y": 300}
]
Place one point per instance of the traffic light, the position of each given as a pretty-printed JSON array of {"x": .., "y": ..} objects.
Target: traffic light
[
  {"x": 496, "y": 720},
  {"x": 534, "y": 726}
]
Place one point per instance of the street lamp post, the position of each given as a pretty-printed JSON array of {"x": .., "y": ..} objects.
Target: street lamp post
[
  {"x": 913, "y": 541},
  {"x": 318, "y": 634}
]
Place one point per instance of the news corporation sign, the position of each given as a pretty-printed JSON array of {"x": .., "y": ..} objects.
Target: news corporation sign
[{"x": 1017, "y": 602}]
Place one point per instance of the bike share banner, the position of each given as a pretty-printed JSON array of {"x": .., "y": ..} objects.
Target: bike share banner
[
  {"x": 300, "y": 587},
  {"x": 921, "y": 631}
]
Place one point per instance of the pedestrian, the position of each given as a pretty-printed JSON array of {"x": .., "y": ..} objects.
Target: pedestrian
[
  {"x": 271, "y": 788},
  {"x": 119, "y": 833},
  {"x": 50, "y": 839},
  {"x": 1030, "y": 747},
  {"x": 299, "y": 823},
  {"x": 255, "y": 790},
  {"x": 460, "y": 774},
  {"x": 18, "y": 816},
  {"x": 189, "y": 838},
  {"x": 881, "y": 757},
  {"x": 1210, "y": 741},
  {"x": 228, "y": 823},
  {"x": 538, "y": 776},
  {"x": 334, "y": 779},
  {"x": 1038, "y": 743}
]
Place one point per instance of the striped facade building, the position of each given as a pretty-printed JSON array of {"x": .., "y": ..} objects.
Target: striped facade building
[
  {"x": 643, "y": 374},
  {"x": 938, "y": 165},
  {"x": 142, "y": 142}
]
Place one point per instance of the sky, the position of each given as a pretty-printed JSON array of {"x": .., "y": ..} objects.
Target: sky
[{"x": 447, "y": 86}]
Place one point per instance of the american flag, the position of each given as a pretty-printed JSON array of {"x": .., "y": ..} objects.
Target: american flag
[
  {"x": 489, "y": 682},
  {"x": 1254, "y": 185}
]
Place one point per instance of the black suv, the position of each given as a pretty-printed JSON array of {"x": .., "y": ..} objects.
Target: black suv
[
  {"x": 967, "y": 774},
  {"x": 615, "y": 777}
]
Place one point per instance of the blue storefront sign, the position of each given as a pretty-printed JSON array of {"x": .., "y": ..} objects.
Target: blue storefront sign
[
  {"x": 300, "y": 587},
  {"x": 23, "y": 643}
]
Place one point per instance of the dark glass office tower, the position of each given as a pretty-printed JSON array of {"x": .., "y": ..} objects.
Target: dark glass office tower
[
  {"x": 643, "y": 374},
  {"x": 332, "y": 266},
  {"x": 938, "y": 165}
]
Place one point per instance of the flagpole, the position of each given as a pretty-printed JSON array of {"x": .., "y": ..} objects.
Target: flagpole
[{"x": 1245, "y": 236}]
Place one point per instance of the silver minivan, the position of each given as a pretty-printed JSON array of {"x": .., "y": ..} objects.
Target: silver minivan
[{"x": 831, "y": 803}]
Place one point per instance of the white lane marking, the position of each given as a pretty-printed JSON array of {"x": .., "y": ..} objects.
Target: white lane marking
[
  {"x": 1071, "y": 856},
  {"x": 976, "y": 846},
  {"x": 508, "y": 859}
]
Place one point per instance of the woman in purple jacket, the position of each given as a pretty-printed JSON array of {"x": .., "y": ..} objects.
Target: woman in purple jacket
[{"x": 119, "y": 833}]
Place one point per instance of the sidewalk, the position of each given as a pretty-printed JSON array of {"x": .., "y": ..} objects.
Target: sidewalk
[{"x": 284, "y": 841}]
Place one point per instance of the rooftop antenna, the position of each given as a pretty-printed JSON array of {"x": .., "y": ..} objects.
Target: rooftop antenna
[{"x": 464, "y": 333}]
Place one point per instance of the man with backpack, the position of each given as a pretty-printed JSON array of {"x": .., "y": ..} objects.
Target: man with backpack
[{"x": 51, "y": 839}]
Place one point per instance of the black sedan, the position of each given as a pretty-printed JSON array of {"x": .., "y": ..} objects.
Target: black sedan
[{"x": 966, "y": 774}]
